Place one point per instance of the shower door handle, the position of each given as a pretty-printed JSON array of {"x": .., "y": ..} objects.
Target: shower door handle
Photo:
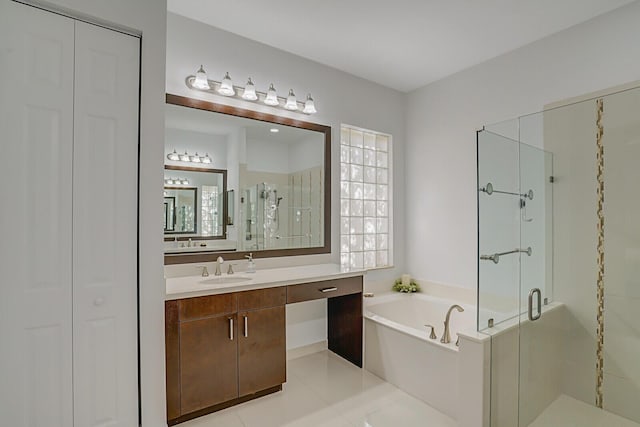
[{"x": 538, "y": 294}]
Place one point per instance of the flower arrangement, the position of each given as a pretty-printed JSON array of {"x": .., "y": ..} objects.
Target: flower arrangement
[{"x": 405, "y": 287}]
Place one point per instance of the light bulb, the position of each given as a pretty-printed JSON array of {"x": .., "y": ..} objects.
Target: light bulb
[
  {"x": 185, "y": 157},
  {"x": 184, "y": 181},
  {"x": 249, "y": 91},
  {"x": 195, "y": 159},
  {"x": 173, "y": 156},
  {"x": 226, "y": 86},
  {"x": 272, "y": 96},
  {"x": 291, "y": 101},
  {"x": 309, "y": 106},
  {"x": 169, "y": 181},
  {"x": 201, "y": 81},
  {"x": 206, "y": 159}
]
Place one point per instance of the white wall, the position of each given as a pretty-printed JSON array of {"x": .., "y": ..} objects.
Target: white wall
[
  {"x": 339, "y": 97},
  {"x": 442, "y": 119}
]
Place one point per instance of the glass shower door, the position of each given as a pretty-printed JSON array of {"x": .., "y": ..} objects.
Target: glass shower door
[{"x": 540, "y": 343}]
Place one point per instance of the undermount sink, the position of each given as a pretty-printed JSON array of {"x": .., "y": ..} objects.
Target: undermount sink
[{"x": 224, "y": 280}]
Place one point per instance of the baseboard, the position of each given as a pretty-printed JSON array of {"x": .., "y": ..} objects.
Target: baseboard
[{"x": 306, "y": 350}]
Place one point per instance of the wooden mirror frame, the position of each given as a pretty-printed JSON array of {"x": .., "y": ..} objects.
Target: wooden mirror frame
[{"x": 187, "y": 258}]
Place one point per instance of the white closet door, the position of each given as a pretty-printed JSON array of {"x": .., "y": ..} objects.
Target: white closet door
[
  {"x": 105, "y": 216},
  {"x": 36, "y": 126}
]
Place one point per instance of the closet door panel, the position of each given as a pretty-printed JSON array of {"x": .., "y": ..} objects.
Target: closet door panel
[
  {"x": 36, "y": 135},
  {"x": 105, "y": 227}
]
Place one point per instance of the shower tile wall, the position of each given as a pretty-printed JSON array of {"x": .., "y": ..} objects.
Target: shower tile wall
[{"x": 570, "y": 134}]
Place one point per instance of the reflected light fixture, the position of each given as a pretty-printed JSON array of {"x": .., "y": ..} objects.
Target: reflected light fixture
[
  {"x": 173, "y": 156},
  {"x": 249, "y": 91},
  {"x": 291, "y": 103},
  {"x": 309, "y": 106},
  {"x": 189, "y": 159},
  {"x": 201, "y": 81},
  {"x": 274, "y": 130},
  {"x": 272, "y": 96},
  {"x": 226, "y": 86},
  {"x": 184, "y": 181}
]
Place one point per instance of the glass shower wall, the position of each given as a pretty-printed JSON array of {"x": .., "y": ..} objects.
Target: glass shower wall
[
  {"x": 579, "y": 359},
  {"x": 498, "y": 228}
]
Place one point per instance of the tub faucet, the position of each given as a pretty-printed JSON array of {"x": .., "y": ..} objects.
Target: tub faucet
[{"x": 446, "y": 336}]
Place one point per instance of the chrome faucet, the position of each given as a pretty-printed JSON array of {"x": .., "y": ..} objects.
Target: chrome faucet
[
  {"x": 446, "y": 336},
  {"x": 219, "y": 263}
]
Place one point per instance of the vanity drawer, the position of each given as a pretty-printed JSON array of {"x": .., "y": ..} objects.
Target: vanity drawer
[
  {"x": 262, "y": 298},
  {"x": 324, "y": 289},
  {"x": 214, "y": 305}
]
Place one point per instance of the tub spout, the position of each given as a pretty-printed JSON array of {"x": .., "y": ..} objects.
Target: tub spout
[{"x": 446, "y": 336}]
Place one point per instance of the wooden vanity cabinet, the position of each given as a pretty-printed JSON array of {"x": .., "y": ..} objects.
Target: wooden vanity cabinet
[
  {"x": 262, "y": 356},
  {"x": 218, "y": 356}
]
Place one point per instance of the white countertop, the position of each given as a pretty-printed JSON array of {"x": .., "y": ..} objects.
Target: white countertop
[{"x": 192, "y": 286}]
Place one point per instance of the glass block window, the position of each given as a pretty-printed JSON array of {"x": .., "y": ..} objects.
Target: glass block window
[
  {"x": 365, "y": 198},
  {"x": 209, "y": 213}
]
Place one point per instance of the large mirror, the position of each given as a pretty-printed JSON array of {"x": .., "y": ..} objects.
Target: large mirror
[{"x": 240, "y": 181}]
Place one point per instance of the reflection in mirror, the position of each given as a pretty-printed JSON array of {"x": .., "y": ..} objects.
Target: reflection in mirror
[
  {"x": 278, "y": 196},
  {"x": 183, "y": 209},
  {"x": 169, "y": 213},
  {"x": 231, "y": 207},
  {"x": 195, "y": 206}
]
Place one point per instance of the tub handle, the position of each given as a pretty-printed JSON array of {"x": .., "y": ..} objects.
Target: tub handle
[
  {"x": 432, "y": 335},
  {"x": 325, "y": 290}
]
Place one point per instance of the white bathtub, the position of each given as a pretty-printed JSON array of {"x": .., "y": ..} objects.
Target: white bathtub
[{"x": 399, "y": 350}]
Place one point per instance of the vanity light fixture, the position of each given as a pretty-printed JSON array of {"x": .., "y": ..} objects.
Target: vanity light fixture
[
  {"x": 249, "y": 92},
  {"x": 173, "y": 156},
  {"x": 206, "y": 159},
  {"x": 185, "y": 157},
  {"x": 176, "y": 181},
  {"x": 201, "y": 81},
  {"x": 272, "y": 96},
  {"x": 309, "y": 106},
  {"x": 226, "y": 86},
  {"x": 195, "y": 158},
  {"x": 291, "y": 103}
]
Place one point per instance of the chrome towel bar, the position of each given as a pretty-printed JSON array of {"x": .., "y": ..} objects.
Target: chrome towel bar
[{"x": 496, "y": 257}]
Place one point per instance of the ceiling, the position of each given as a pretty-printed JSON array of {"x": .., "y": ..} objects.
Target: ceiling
[{"x": 401, "y": 44}]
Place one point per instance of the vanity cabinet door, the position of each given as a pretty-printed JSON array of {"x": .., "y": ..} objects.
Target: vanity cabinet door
[
  {"x": 208, "y": 362},
  {"x": 261, "y": 349}
]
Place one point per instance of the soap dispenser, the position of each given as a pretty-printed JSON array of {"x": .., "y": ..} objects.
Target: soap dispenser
[{"x": 251, "y": 267}]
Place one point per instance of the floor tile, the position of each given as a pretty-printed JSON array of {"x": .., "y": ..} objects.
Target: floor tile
[
  {"x": 406, "y": 411},
  {"x": 566, "y": 411},
  {"x": 226, "y": 418},
  {"x": 324, "y": 390}
]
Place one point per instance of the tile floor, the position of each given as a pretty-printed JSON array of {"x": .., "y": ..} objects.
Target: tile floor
[
  {"x": 323, "y": 390},
  {"x": 566, "y": 411}
]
